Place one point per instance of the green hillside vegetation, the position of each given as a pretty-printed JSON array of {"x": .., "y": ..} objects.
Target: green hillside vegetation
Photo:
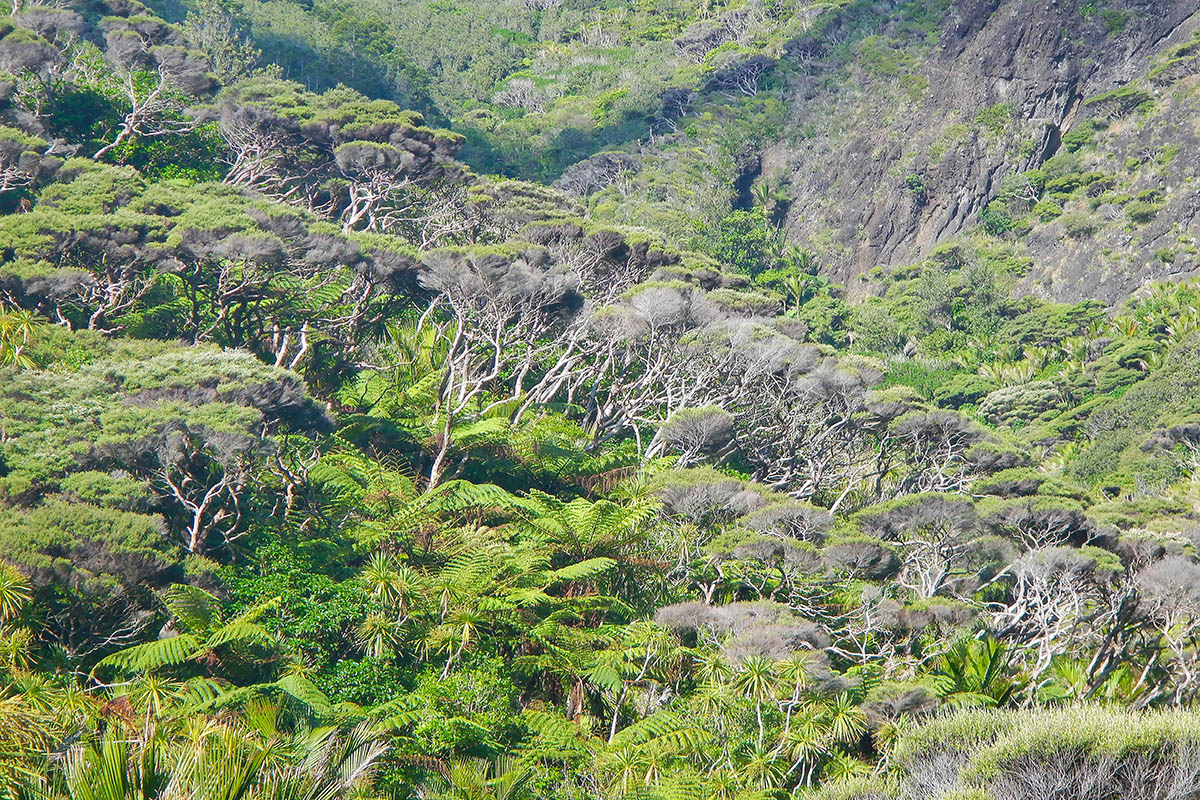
[{"x": 421, "y": 400}]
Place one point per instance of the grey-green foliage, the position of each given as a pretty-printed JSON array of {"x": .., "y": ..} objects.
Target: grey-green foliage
[
  {"x": 113, "y": 411},
  {"x": 1014, "y": 405},
  {"x": 1071, "y": 753},
  {"x": 152, "y": 432}
]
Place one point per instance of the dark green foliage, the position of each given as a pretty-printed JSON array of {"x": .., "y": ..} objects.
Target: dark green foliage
[
  {"x": 826, "y": 316},
  {"x": 1118, "y": 428},
  {"x": 994, "y": 119},
  {"x": 1079, "y": 136},
  {"x": 977, "y": 673},
  {"x": 1052, "y": 323},
  {"x": 996, "y": 220},
  {"x": 880, "y": 326},
  {"x": 931, "y": 383},
  {"x": 1123, "y": 100},
  {"x": 196, "y": 157},
  {"x": 1124, "y": 364},
  {"x": 959, "y": 390},
  {"x": 1141, "y": 212},
  {"x": 743, "y": 240}
]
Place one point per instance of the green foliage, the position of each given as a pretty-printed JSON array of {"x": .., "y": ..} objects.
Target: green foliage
[
  {"x": 18, "y": 330},
  {"x": 826, "y": 317},
  {"x": 977, "y": 673},
  {"x": 201, "y": 635},
  {"x": 330, "y": 468},
  {"x": 1022, "y": 403},
  {"x": 1140, "y": 212},
  {"x": 996, "y": 119},
  {"x": 995, "y": 219},
  {"x": 961, "y": 389},
  {"x": 1079, "y": 136},
  {"x": 930, "y": 382},
  {"x": 742, "y": 240},
  {"x": 1123, "y": 100},
  {"x": 1078, "y": 224}
]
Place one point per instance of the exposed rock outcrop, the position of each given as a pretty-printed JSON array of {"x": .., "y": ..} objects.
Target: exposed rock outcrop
[{"x": 921, "y": 149}]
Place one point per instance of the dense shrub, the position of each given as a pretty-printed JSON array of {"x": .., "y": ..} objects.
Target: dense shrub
[{"x": 1014, "y": 405}]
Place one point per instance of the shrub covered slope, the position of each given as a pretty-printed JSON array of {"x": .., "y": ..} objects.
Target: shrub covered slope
[{"x": 726, "y": 399}]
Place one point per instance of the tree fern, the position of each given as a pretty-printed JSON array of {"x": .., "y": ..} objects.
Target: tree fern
[
  {"x": 605, "y": 676},
  {"x": 457, "y": 495},
  {"x": 240, "y": 633},
  {"x": 663, "y": 728},
  {"x": 304, "y": 692},
  {"x": 490, "y": 430},
  {"x": 193, "y": 608},
  {"x": 582, "y": 569},
  {"x": 171, "y": 651},
  {"x": 553, "y": 733},
  {"x": 200, "y": 690}
]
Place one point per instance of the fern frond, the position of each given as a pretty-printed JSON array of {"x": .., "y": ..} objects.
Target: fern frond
[
  {"x": 664, "y": 730},
  {"x": 306, "y": 693},
  {"x": 554, "y": 733},
  {"x": 154, "y": 655},
  {"x": 399, "y": 721},
  {"x": 582, "y": 569},
  {"x": 200, "y": 690},
  {"x": 241, "y": 633},
  {"x": 605, "y": 676},
  {"x": 195, "y": 609},
  {"x": 483, "y": 431}
]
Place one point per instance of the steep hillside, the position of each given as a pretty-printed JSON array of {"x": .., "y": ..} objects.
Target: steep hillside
[
  {"x": 1058, "y": 115},
  {"x": 939, "y": 116},
  {"x": 560, "y": 400}
]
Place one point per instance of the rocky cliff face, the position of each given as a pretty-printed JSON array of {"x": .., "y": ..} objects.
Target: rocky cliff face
[{"x": 900, "y": 153}]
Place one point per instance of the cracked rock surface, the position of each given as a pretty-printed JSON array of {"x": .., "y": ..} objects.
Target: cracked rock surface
[{"x": 921, "y": 154}]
